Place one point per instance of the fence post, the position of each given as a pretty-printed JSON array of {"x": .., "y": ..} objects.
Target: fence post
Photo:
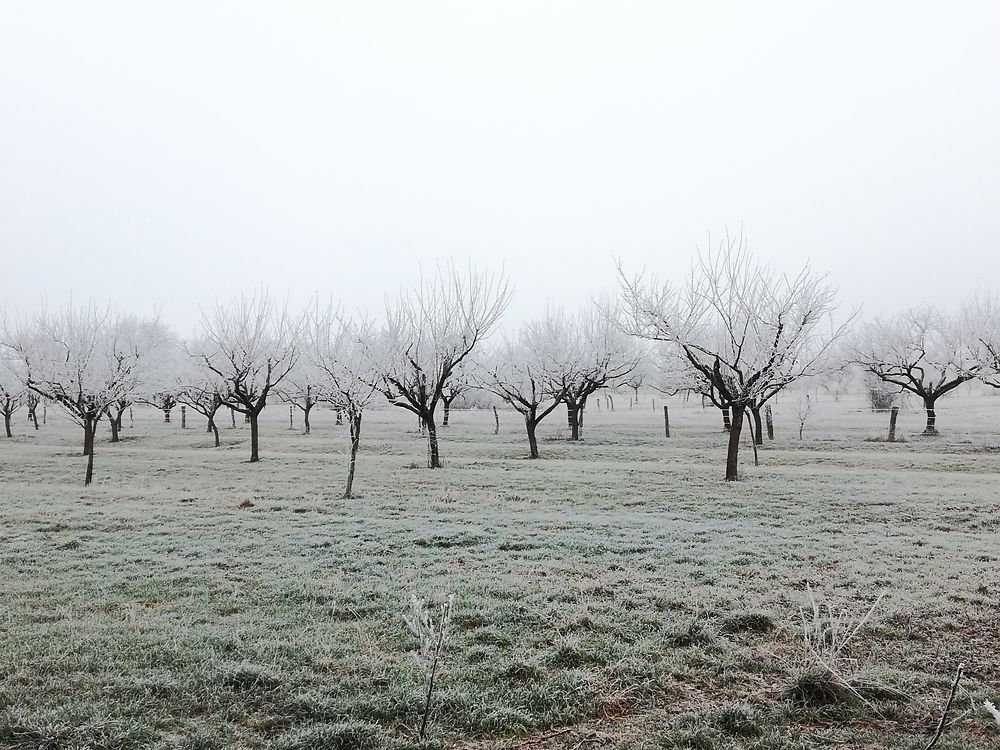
[{"x": 666, "y": 420}]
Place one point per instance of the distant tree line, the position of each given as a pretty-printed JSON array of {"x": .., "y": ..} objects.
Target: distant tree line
[{"x": 734, "y": 331}]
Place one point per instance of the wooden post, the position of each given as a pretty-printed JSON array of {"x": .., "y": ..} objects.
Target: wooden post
[
  {"x": 43, "y": 413},
  {"x": 666, "y": 420},
  {"x": 291, "y": 417},
  {"x": 496, "y": 416},
  {"x": 769, "y": 421},
  {"x": 612, "y": 401},
  {"x": 184, "y": 423},
  {"x": 892, "y": 423}
]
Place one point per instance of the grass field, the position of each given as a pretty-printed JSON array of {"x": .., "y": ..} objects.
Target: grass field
[{"x": 615, "y": 594}]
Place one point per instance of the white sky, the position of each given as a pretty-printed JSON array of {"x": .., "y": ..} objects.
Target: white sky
[{"x": 171, "y": 153}]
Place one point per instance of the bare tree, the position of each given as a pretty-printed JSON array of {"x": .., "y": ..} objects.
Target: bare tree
[
  {"x": 430, "y": 331},
  {"x": 602, "y": 357},
  {"x": 348, "y": 362},
  {"x": 527, "y": 373},
  {"x": 746, "y": 331},
  {"x": 84, "y": 359},
  {"x": 32, "y": 399},
  {"x": 301, "y": 388},
  {"x": 12, "y": 393},
  {"x": 982, "y": 319},
  {"x": 457, "y": 385},
  {"x": 923, "y": 351},
  {"x": 200, "y": 389},
  {"x": 803, "y": 411},
  {"x": 251, "y": 345},
  {"x": 165, "y": 401}
]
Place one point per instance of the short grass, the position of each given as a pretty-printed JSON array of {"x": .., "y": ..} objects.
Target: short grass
[{"x": 615, "y": 594}]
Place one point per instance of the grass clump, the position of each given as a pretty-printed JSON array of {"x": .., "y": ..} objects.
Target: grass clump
[
  {"x": 758, "y": 623},
  {"x": 250, "y": 678},
  {"x": 344, "y": 735}
]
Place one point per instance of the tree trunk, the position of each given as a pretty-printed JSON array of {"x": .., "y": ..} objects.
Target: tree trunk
[
  {"x": 89, "y": 426},
  {"x": 769, "y": 421},
  {"x": 254, "y": 457},
  {"x": 88, "y": 436},
  {"x": 232, "y": 414},
  {"x": 496, "y": 418},
  {"x": 727, "y": 422},
  {"x": 758, "y": 427},
  {"x": 530, "y": 423},
  {"x": 340, "y": 417},
  {"x": 893, "y": 416},
  {"x": 114, "y": 429},
  {"x": 447, "y": 411},
  {"x": 666, "y": 420},
  {"x": 305, "y": 415},
  {"x": 355, "y": 427},
  {"x": 6, "y": 424},
  {"x": 184, "y": 420},
  {"x": 931, "y": 428},
  {"x": 434, "y": 458},
  {"x": 573, "y": 418},
  {"x": 733, "y": 454},
  {"x": 166, "y": 416},
  {"x": 212, "y": 428}
]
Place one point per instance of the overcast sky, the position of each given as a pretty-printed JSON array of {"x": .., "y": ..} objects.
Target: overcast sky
[{"x": 172, "y": 153}]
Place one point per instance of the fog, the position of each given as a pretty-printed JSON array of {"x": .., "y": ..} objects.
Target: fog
[{"x": 163, "y": 156}]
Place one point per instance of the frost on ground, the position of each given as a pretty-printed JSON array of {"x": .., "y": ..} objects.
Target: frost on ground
[{"x": 615, "y": 594}]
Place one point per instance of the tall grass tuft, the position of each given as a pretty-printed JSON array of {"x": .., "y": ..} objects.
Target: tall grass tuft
[{"x": 432, "y": 636}]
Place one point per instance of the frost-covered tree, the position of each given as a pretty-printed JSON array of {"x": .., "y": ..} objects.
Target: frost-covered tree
[
  {"x": 347, "y": 359},
  {"x": 923, "y": 350},
  {"x": 82, "y": 358},
  {"x": 458, "y": 384},
  {"x": 527, "y": 373},
  {"x": 301, "y": 388},
  {"x": 251, "y": 344},
  {"x": 601, "y": 356},
  {"x": 981, "y": 319},
  {"x": 159, "y": 349},
  {"x": 746, "y": 331},
  {"x": 200, "y": 388},
  {"x": 32, "y": 400},
  {"x": 430, "y": 331},
  {"x": 13, "y": 392}
]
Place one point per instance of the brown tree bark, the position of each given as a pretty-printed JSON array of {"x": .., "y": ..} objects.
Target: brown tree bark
[
  {"x": 434, "y": 457},
  {"x": 931, "y": 428},
  {"x": 530, "y": 424},
  {"x": 89, "y": 426},
  {"x": 254, "y": 455},
  {"x": 355, "y": 428},
  {"x": 573, "y": 420},
  {"x": 733, "y": 454},
  {"x": 758, "y": 427}
]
